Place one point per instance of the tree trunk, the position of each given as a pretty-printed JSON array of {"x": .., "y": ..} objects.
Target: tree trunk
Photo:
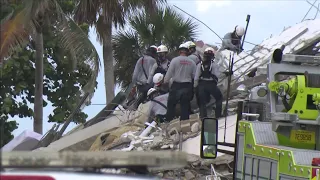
[
  {"x": 108, "y": 64},
  {"x": 38, "y": 93}
]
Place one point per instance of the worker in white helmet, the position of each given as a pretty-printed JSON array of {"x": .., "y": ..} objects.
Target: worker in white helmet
[
  {"x": 162, "y": 64},
  {"x": 181, "y": 72},
  {"x": 158, "y": 106},
  {"x": 141, "y": 72},
  {"x": 159, "y": 85},
  {"x": 206, "y": 83},
  {"x": 232, "y": 41},
  {"x": 193, "y": 52}
]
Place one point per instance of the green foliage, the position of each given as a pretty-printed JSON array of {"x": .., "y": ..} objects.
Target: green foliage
[
  {"x": 166, "y": 27},
  {"x": 62, "y": 83},
  {"x": 8, "y": 93},
  {"x": 15, "y": 82},
  {"x": 7, "y": 127}
]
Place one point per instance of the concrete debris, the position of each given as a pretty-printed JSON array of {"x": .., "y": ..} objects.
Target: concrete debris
[
  {"x": 198, "y": 168},
  {"x": 189, "y": 175},
  {"x": 195, "y": 127},
  {"x": 133, "y": 136},
  {"x": 156, "y": 137}
]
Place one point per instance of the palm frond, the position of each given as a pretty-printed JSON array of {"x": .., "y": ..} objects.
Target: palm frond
[
  {"x": 87, "y": 11},
  {"x": 149, "y": 6},
  {"x": 181, "y": 28},
  {"x": 166, "y": 26},
  {"x": 15, "y": 30},
  {"x": 144, "y": 28},
  {"x": 16, "y": 27},
  {"x": 126, "y": 52},
  {"x": 102, "y": 13},
  {"x": 80, "y": 48},
  {"x": 113, "y": 11},
  {"x": 6, "y": 14}
]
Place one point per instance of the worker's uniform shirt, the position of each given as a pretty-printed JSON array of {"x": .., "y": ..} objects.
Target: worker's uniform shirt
[
  {"x": 195, "y": 57},
  {"x": 158, "y": 68},
  {"x": 181, "y": 72},
  {"x": 156, "y": 109},
  {"x": 142, "y": 70},
  {"x": 231, "y": 42},
  {"x": 205, "y": 81},
  {"x": 140, "y": 76}
]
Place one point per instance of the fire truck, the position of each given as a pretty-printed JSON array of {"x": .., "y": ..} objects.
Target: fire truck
[{"x": 286, "y": 145}]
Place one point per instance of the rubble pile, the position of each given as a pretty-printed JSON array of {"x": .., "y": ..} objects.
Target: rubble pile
[
  {"x": 138, "y": 135},
  {"x": 134, "y": 136},
  {"x": 198, "y": 169}
]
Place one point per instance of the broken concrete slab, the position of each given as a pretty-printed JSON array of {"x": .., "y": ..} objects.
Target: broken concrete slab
[
  {"x": 142, "y": 113},
  {"x": 185, "y": 124},
  {"x": 83, "y": 139}
]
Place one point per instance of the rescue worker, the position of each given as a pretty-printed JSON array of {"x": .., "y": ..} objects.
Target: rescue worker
[
  {"x": 141, "y": 73},
  {"x": 159, "y": 85},
  {"x": 193, "y": 52},
  {"x": 232, "y": 41},
  {"x": 181, "y": 72},
  {"x": 162, "y": 64},
  {"x": 158, "y": 106},
  {"x": 205, "y": 83}
]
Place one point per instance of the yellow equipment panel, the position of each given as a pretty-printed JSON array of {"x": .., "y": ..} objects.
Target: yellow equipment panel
[{"x": 301, "y": 136}]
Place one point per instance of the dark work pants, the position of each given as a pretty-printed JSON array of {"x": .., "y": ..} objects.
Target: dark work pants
[
  {"x": 205, "y": 89},
  {"x": 179, "y": 93}
]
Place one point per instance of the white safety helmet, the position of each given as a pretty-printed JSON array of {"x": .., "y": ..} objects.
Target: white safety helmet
[
  {"x": 209, "y": 49},
  {"x": 184, "y": 46},
  {"x": 153, "y": 49},
  {"x": 162, "y": 48},
  {"x": 239, "y": 31},
  {"x": 190, "y": 44},
  {"x": 157, "y": 79},
  {"x": 151, "y": 91}
]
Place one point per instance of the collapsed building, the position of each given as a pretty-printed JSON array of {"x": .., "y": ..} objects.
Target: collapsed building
[{"x": 116, "y": 128}]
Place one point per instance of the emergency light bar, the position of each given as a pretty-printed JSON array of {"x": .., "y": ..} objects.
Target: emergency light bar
[{"x": 100, "y": 159}]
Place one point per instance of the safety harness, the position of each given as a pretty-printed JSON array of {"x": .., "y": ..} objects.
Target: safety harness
[
  {"x": 160, "y": 69},
  {"x": 206, "y": 71},
  {"x": 144, "y": 71},
  {"x": 160, "y": 103},
  {"x": 200, "y": 59}
]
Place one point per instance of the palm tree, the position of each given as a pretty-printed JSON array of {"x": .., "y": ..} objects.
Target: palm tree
[
  {"x": 27, "y": 23},
  {"x": 167, "y": 27},
  {"x": 104, "y": 15}
]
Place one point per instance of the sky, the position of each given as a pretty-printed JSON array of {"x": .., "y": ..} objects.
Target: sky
[{"x": 267, "y": 18}]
